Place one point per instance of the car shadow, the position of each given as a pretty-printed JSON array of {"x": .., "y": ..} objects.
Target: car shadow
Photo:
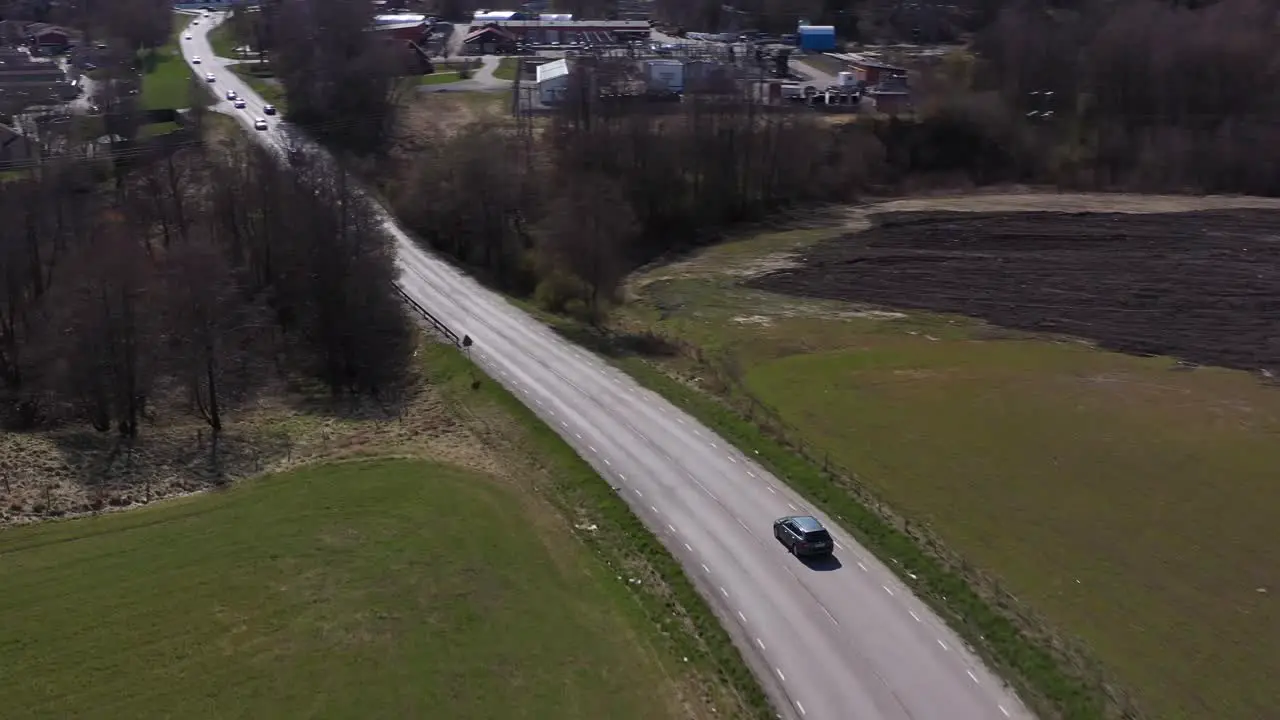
[{"x": 822, "y": 564}]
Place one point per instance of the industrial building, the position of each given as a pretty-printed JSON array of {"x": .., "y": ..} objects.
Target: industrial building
[
  {"x": 817, "y": 38},
  {"x": 556, "y": 28},
  {"x": 553, "y": 81},
  {"x": 401, "y": 26}
]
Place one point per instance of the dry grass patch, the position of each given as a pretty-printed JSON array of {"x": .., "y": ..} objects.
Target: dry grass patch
[{"x": 74, "y": 470}]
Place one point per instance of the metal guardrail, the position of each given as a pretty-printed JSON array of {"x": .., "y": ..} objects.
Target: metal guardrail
[{"x": 435, "y": 321}]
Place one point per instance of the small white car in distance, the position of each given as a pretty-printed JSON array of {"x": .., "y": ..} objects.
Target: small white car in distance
[
  {"x": 187, "y": 36},
  {"x": 195, "y": 60},
  {"x": 239, "y": 103},
  {"x": 259, "y": 124},
  {"x": 231, "y": 95},
  {"x": 209, "y": 77},
  {"x": 269, "y": 109}
]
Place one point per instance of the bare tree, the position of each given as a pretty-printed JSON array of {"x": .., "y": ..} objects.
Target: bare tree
[{"x": 588, "y": 233}]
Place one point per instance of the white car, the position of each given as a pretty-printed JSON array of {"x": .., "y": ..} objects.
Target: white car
[
  {"x": 231, "y": 95},
  {"x": 187, "y": 36},
  {"x": 195, "y": 60},
  {"x": 269, "y": 109},
  {"x": 259, "y": 124},
  {"x": 239, "y": 104},
  {"x": 209, "y": 77}
]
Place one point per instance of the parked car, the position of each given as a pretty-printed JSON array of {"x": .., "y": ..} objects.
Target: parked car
[
  {"x": 269, "y": 109},
  {"x": 259, "y": 124},
  {"x": 239, "y": 103},
  {"x": 803, "y": 535}
]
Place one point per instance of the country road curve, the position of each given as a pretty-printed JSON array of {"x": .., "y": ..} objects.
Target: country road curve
[{"x": 840, "y": 642}]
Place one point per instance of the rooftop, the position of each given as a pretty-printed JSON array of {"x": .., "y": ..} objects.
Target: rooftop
[
  {"x": 602, "y": 24},
  {"x": 552, "y": 70}
]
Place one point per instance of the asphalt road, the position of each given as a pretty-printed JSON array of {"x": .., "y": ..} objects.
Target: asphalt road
[{"x": 838, "y": 641}]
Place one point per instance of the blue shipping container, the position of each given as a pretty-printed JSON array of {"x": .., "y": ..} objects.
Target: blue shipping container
[{"x": 818, "y": 38}]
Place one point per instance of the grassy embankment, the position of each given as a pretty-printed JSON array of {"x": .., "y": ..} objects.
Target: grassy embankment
[
  {"x": 1095, "y": 498},
  {"x": 507, "y": 68},
  {"x": 166, "y": 77},
  {"x": 404, "y": 587}
]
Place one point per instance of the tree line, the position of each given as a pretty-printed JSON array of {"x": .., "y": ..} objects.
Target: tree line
[
  {"x": 194, "y": 283},
  {"x": 1145, "y": 95}
]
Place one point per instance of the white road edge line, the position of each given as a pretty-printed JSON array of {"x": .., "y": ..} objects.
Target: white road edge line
[{"x": 829, "y": 615}]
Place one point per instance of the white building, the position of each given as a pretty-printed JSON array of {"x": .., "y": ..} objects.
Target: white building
[{"x": 553, "y": 81}]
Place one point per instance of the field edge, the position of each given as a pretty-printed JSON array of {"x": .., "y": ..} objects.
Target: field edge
[
  {"x": 684, "y": 621},
  {"x": 1054, "y": 679}
]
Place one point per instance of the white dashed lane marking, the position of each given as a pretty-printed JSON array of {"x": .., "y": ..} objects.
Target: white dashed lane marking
[
  {"x": 637, "y": 492},
  {"x": 864, "y": 567},
  {"x": 972, "y": 676},
  {"x": 742, "y": 617},
  {"x": 760, "y": 643},
  {"x": 724, "y": 592},
  {"x": 886, "y": 589},
  {"x": 781, "y": 677},
  {"x": 944, "y": 645},
  {"x": 800, "y": 707},
  {"x": 706, "y": 569},
  {"x": 1006, "y": 712},
  {"x": 591, "y": 449},
  {"x": 914, "y": 616}
]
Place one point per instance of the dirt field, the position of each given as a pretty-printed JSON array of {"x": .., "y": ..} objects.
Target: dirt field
[{"x": 1201, "y": 286}]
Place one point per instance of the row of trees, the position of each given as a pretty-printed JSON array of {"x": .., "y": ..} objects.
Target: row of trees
[
  {"x": 1143, "y": 95},
  {"x": 202, "y": 278},
  {"x": 566, "y": 210}
]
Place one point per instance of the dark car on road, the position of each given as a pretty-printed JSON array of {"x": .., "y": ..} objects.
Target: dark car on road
[{"x": 804, "y": 536}]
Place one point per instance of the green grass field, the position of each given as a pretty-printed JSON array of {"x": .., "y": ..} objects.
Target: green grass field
[
  {"x": 507, "y": 68},
  {"x": 381, "y": 583},
  {"x": 223, "y": 41},
  {"x": 166, "y": 79},
  {"x": 370, "y": 589},
  {"x": 439, "y": 78},
  {"x": 263, "y": 82},
  {"x": 1128, "y": 505}
]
